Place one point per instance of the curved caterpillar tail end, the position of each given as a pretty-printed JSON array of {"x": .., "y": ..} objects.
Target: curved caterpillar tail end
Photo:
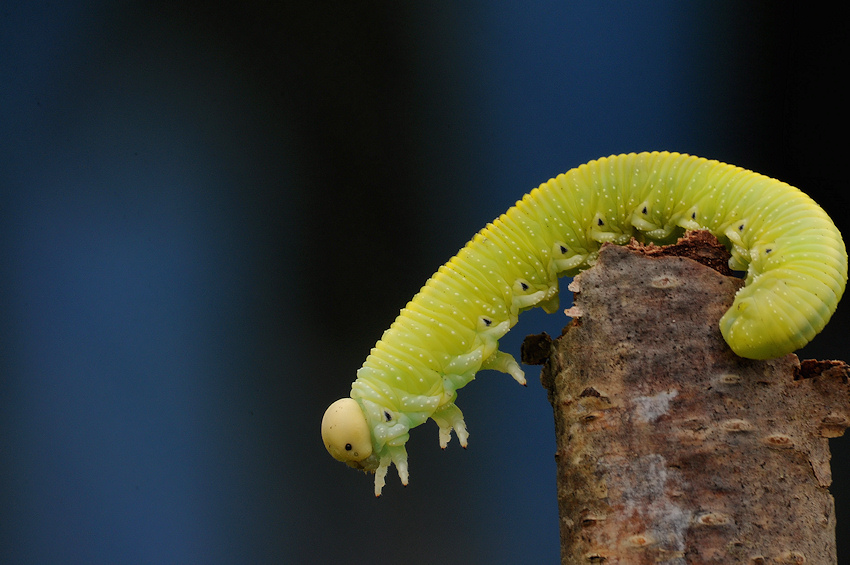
[{"x": 782, "y": 310}]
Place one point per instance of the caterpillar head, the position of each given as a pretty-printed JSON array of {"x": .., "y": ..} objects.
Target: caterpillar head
[{"x": 345, "y": 432}]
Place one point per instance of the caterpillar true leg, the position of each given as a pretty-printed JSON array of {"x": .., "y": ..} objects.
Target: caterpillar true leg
[
  {"x": 795, "y": 259},
  {"x": 449, "y": 417}
]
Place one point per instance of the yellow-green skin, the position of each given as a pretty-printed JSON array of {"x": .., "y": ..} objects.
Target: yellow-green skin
[{"x": 794, "y": 256}]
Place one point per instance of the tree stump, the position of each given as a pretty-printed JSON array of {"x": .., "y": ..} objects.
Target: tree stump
[{"x": 670, "y": 448}]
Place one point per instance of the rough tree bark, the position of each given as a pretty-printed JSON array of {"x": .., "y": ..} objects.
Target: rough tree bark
[{"x": 670, "y": 448}]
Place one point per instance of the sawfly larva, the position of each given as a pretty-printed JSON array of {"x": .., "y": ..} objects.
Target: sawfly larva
[{"x": 793, "y": 254}]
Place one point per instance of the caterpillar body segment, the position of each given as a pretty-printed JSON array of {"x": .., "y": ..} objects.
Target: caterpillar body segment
[{"x": 794, "y": 256}]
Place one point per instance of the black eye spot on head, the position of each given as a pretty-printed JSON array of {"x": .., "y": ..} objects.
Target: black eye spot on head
[
  {"x": 388, "y": 416},
  {"x": 600, "y": 222},
  {"x": 487, "y": 321},
  {"x": 524, "y": 286},
  {"x": 645, "y": 211},
  {"x": 741, "y": 227},
  {"x": 693, "y": 215},
  {"x": 563, "y": 249},
  {"x": 348, "y": 447},
  {"x": 768, "y": 250}
]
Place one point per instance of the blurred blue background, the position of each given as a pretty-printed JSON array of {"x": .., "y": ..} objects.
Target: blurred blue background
[{"x": 210, "y": 212}]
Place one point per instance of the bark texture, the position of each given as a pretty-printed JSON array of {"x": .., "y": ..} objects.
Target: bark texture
[{"x": 670, "y": 448}]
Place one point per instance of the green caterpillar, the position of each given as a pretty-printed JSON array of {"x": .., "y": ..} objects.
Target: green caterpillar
[{"x": 794, "y": 256}]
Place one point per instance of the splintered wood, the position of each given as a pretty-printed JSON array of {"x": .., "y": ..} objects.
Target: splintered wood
[{"x": 670, "y": 448}]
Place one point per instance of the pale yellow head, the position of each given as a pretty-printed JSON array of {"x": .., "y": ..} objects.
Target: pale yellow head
[{"x": 345, "y": 432}]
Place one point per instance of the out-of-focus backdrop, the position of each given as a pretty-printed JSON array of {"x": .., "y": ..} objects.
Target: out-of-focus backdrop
[{"x": 209, "y": 213}]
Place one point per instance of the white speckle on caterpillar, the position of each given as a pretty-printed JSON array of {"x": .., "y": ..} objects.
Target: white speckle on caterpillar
[{"x": 794, "y": 257}]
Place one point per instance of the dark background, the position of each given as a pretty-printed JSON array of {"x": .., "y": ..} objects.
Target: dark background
[{"x": 209, "y": 213}]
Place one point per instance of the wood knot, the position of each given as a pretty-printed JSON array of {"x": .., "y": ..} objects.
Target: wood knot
[
  {"x": 715, "y": 519},
  {"x": 593, "y": 416},
  {"x": 729, "y": 379},
  {"x": 736, "y": 426},
  {"x": 589, "y": 521},
  {"x": 640, "y": 540},
  {"x": 779, "y": 441},
  {"x": 591, "y": 392}
]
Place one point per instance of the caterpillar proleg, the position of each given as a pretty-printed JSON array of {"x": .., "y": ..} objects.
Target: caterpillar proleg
[{"x": 794, "y": 257}]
